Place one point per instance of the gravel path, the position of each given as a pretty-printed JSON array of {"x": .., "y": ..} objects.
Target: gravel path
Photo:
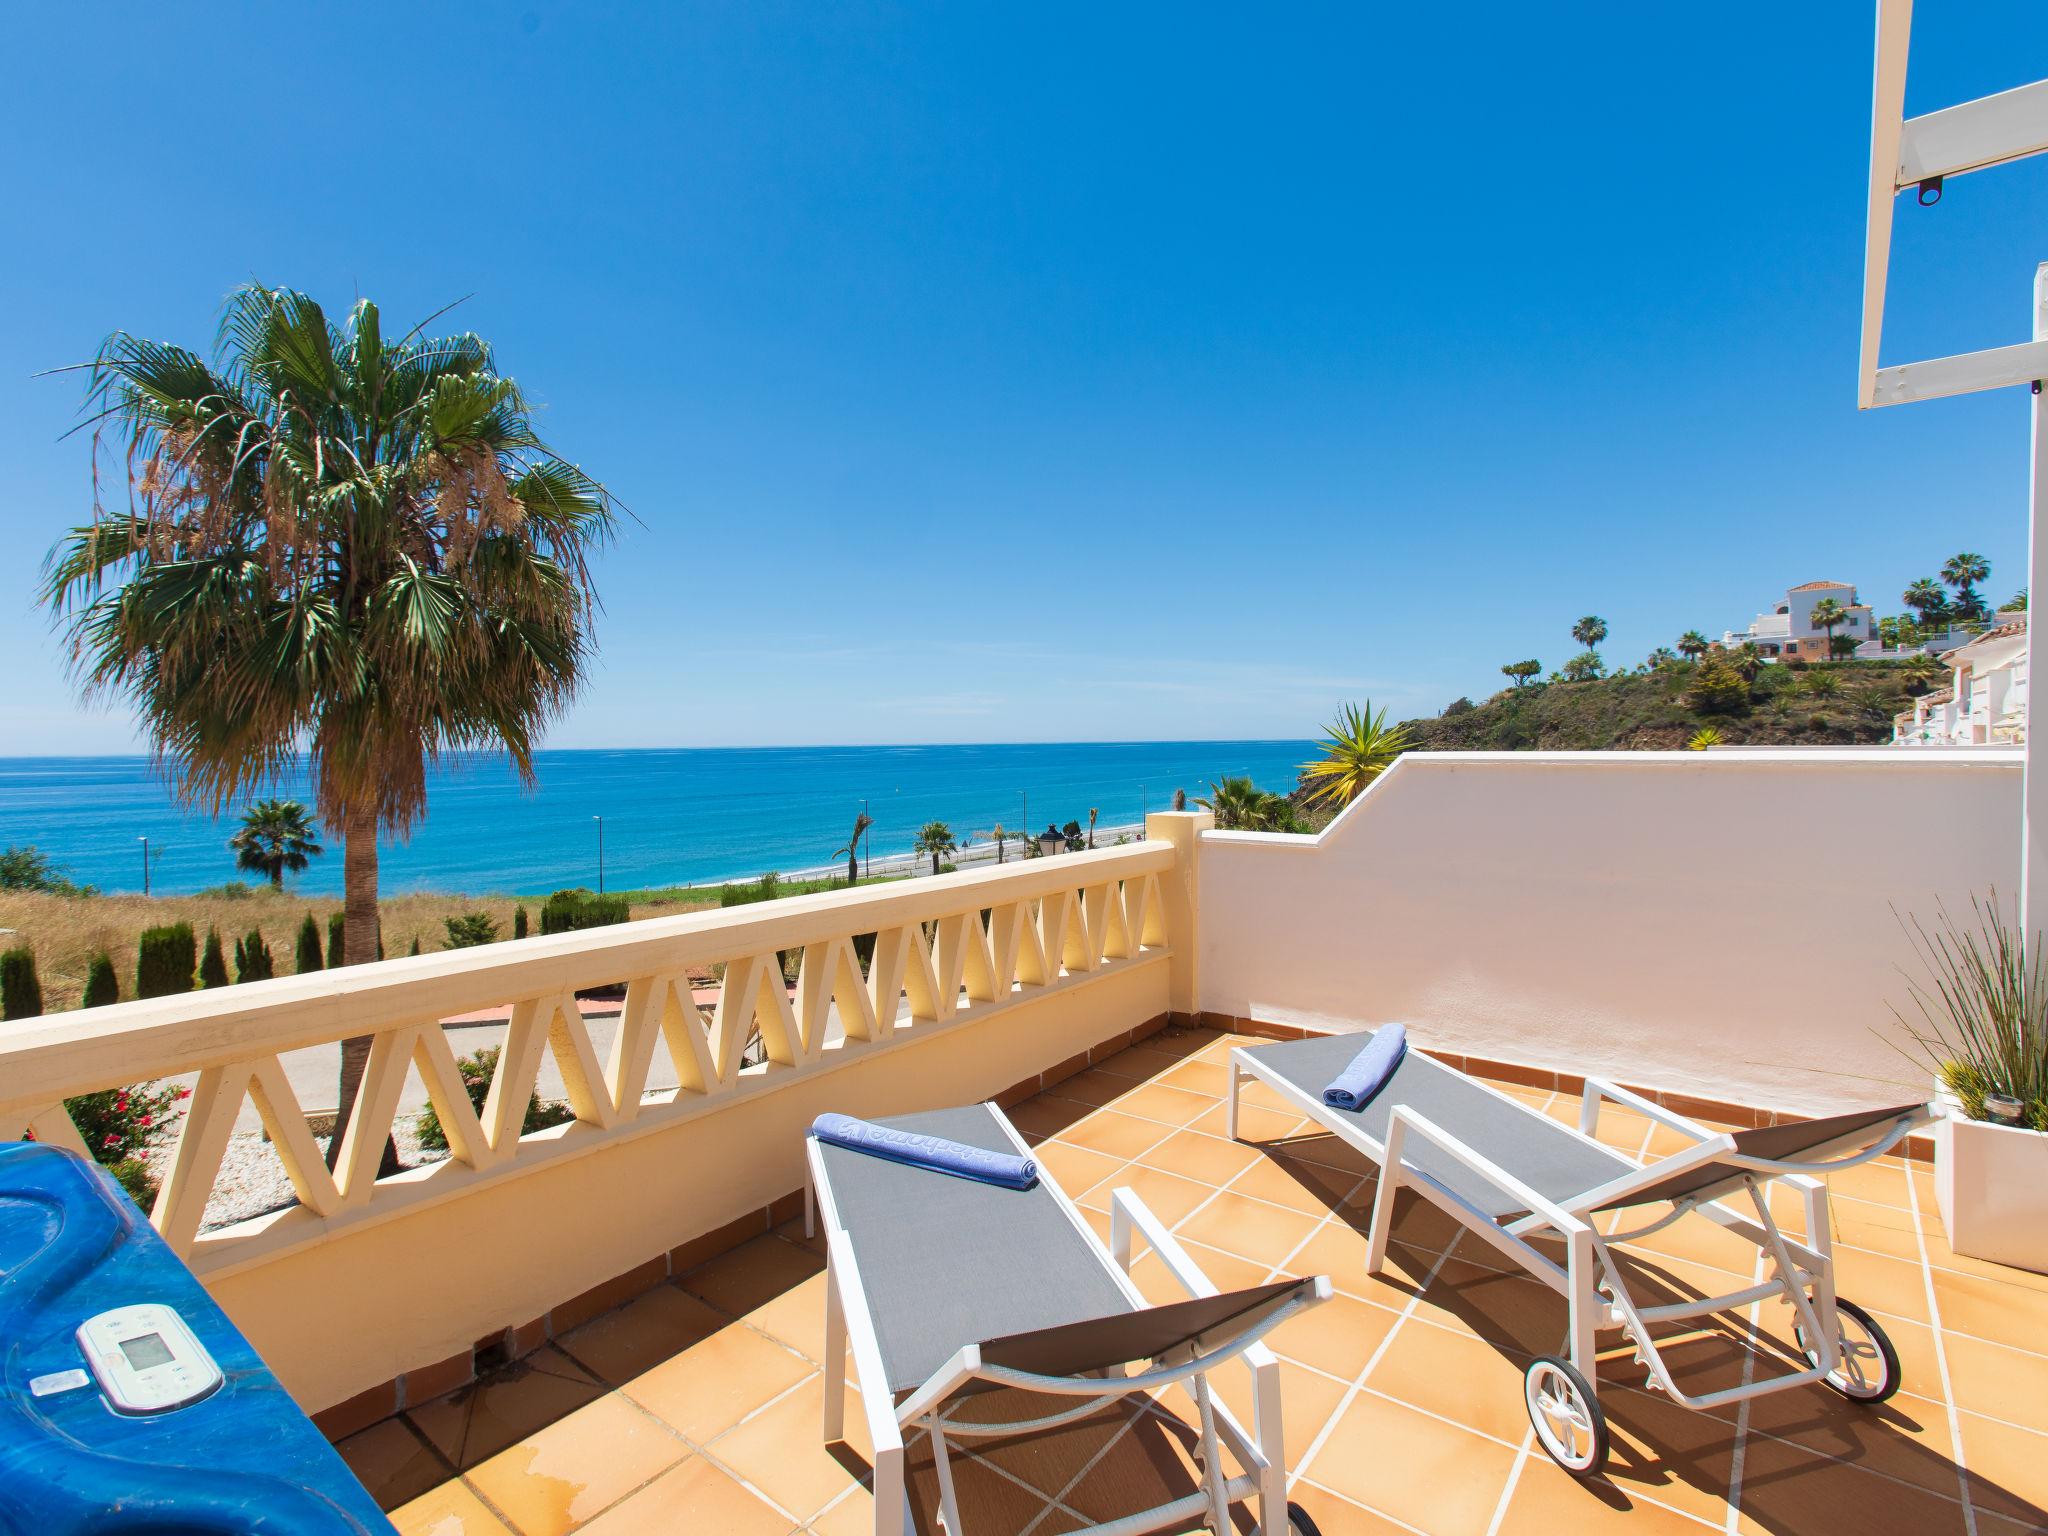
[{"x": 253, "y": 1181}]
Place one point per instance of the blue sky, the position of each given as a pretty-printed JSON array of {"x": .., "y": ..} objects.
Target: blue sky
[{"x": 995, "y": 374}]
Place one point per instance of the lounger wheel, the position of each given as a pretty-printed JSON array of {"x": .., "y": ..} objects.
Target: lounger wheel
[
  {"x": 1298, "y": 1521},
  {"x": 1566, "y": 1416},
  {"x": 1869, "y": 1372}
]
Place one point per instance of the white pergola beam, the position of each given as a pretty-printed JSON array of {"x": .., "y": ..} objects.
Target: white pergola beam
[
  {"x": 1963, "y": 374},
  {"x": 1887, "y": 127},
  {"x": 1992, "y": 130}
]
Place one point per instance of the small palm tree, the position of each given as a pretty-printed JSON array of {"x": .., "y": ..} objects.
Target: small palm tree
[
  {"x": 276, "y": 835},
  {"x": 1692, "y": 645},
  {"x": 1706, "y": 736},
  {"x": 1360, "y": 748},
  {"x": 1926, "y": 599},
  {"x": 1590, "y": 630},
  {"x": 1000, "y": 836},
  {"x": 851, "y": 852},
  {"x": 1827, "y": 616},
  {"x": 1966, "y": 570},
  {"x": 1663, "y": 655},
  {"x": 936, "y": 839},
  {"x": 354, "y": 548},
  {"x": 1093, "y": 812},
  {"x": 1241, "y": 806}
]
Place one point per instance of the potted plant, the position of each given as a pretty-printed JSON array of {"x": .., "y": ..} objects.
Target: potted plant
[{"x": 1981, "y": 1021}]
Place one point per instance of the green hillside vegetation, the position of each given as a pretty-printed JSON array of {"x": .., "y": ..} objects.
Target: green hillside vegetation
[{"x": 1842, "y": 703}]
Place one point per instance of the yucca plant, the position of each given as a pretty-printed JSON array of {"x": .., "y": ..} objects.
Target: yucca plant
[
  {"x": 1706, "y": 736},
  {"x": 1360, "y": 748},
  {"x": 1981, "y": 1017}
]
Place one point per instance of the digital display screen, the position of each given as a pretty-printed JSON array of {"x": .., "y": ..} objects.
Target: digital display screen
[{"x": 146, "y": 1351}]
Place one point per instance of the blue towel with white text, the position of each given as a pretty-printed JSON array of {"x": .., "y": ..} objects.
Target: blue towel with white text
[
  {"x": 1006, "y": 1169},
  {"x": 1354, "y": 1087}
]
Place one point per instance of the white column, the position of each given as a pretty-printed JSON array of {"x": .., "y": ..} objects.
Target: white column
[{"x": 2034, "y": 812}]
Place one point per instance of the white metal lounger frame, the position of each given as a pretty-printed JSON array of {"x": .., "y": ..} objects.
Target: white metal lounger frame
[
  {"x": 1800, "y": 1273},
  {"x": 847, "y": 1319}
]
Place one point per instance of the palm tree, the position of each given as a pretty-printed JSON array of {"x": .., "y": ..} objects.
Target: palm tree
[
  {"x": 335, "y": 543},
  {"x": 1661, "y": 656},
  {"x": 851, "y": 851},
  {"x": 1093, "y": 812},
  {"x": 1692, "y": 645},
  {"x": 1361, "y": 745},
  {"x": 1001, "y": 836},
  {"x": 1590, "y": 630},
  {"x": 1926, "y": 599},
  {"x": 1241, "y": 806},
  {"x": 936, "y": 839},
  {"x": 1964, "y": 571},
  {"x": 276, "y": 835},
  {"x": 1828, "y": 615}
]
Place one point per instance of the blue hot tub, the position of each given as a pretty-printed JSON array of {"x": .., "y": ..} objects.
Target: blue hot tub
[{"x": 128, "y": 1401}]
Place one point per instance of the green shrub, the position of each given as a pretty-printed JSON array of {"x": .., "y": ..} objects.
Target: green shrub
[
  {"x": 470, "y": 930},
  {"x": 233, "y": 890},
  {"x": 21, "y": 995},
  {"x": 164, "y": 960},
  {"x": 476, "y": 1070},
  {"x": 119, "y": 1125},
  {"x": 569, "y": 911},
  {"x": 336, "y": 942},
  {"x": 213, "y": 968},
  {"x": 415, "y": 945},
  {"x": 747, "y": 892},
  {"x": 101, "y": 985},
  {"x": 1717, "y": 688},
  {"x": 308, "y": 956},
  {"x": 252, "y": 958},
  {"x": 519, "y": 922}
]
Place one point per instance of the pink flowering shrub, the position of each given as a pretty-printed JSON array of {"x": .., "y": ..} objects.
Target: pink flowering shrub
[{"x": 120, "y": 1125}]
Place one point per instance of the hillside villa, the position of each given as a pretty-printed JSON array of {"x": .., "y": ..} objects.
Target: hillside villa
[{"x": 1985, "y": 703}]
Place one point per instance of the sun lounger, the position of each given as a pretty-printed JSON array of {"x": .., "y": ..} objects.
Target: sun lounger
[
  {"x": 1518, "y": 1178},
  {"x": 949, "y": 1289}
]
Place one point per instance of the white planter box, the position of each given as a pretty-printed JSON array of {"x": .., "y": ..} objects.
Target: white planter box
[{"x": 1991, "y": 1182}]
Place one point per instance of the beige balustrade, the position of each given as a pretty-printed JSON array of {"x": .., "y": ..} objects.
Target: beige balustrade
[{"x": 947, "y": 951}]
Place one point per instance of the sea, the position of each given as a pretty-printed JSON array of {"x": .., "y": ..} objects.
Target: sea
[{"x": 667, "y": 817}]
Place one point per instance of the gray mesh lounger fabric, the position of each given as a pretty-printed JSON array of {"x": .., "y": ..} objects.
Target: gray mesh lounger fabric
[
  {"x": 1554, "y": 1161},
  {"x": 947, "y": 1262},
  {"x": 1796, "y": 1142}
]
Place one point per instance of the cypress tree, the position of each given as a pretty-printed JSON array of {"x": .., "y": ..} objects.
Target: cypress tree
[
  {"x": 519, "y": 922},
  {"x": 21, "y": 995},
  {"x": 309, "y": 947},
  {"x": 334, "y": 944},
  {"x": 252, "y": 958},
  {"x": 101, "y": 985},
  {"x": 213, "y": 970},
  {"x": 164, "y": 960},
  {"x": 415, "y": 945}
]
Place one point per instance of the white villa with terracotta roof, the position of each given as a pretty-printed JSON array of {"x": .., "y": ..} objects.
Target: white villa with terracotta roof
[
  {"x": 1985, "y": 704},
  {"x": 1789, "y": 631}
]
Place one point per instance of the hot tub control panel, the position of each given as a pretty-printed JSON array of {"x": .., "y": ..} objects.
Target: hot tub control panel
[{"x": 146, "y": 1360}]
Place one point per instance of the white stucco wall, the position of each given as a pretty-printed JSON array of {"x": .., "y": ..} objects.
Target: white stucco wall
[{"x": 1598, "y": 912}]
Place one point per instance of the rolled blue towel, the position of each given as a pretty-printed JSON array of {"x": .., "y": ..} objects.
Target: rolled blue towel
[
  {"x": 934, "y": 1152},
  {"x": 1354, "y": 1087}
]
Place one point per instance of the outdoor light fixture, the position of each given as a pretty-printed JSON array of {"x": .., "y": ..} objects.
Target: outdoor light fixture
[{"x": 2004, "y": 1109}]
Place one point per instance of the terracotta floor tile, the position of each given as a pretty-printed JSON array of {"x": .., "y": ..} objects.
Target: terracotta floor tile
[
  {"x": 1226, "y": 1272},
  {"x": 1670, "y": 1455},
  {"x": 1893, "y": 1286},
  {"x": 1255, "y": 1124},
  {"x": 989, "y": 1501},
  {"x": 853, "y": 1515},
  {"x": 1881, "y": 1183},
  {"x": 1074, "y": 1168},
  {"x": 1210, "y": 1159},
  {"x": 694, "y": 1496},
  {"x": 2008, "y": 1469},
  {"x": 1166, "y": 1195},
  {"x": 1434, "y": 1476},
  {"x": 394, "y": 1462},
  {"x": 1336, "y": 1336},
  {"x": 1455, "y": 1376},
  {"x": 712, "y": 1385},
  {"x": 752, "y": 1275},
  {"x": 1786, "y": 1489},
  {"x": 792, "y": 1231},
  {"x": 1700, "y": 1241},
  {"x": 1548, "y": 1500},
  {"x": 1340, "y": 1517},
  {"x": 560, "y": 1476},
  {"x": 1043, "y": 1116},
  {"x": 1297, "y": 1184},
  {"x": 1311, "y": 1145},
  {"x": 1249, "y": 1228},
  {"x": 1339, "y": 1252},
  {"x": 1907, "y": 1438},
  {"x": 1168, "y": 1106},
  {"x": 621, "y": 1344},
  {"x": 480, "y": 1420},
  {"x": 1211, "y": 1078},
  {"x": 1998, "y": 1382},
  {"x": 1307, "y": 1400},
  {"x": 1941, "y": 1256},
  {"x": 1093, "y": 1087},
  {"x": 782, "y": 1451},
  {"x": 449, "y": 1510},
  {"x": 796, "y": 1318},
  {"x": 1991, "y": 1309},
  {"x": 1120, "y": 1136}
]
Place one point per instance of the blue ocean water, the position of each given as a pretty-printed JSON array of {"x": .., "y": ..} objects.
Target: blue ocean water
[{"x": 671, "y": 817}]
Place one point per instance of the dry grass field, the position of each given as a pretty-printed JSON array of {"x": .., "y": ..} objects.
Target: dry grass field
[{"x": 66, "y": 931}]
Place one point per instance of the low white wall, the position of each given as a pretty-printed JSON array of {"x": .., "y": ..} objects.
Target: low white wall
[{"x": 1600, "y": 913}]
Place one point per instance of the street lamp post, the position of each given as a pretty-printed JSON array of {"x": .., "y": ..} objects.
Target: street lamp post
[
  {"x": 600, "y": 853},
  {"x": 145, "y": 864}
]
